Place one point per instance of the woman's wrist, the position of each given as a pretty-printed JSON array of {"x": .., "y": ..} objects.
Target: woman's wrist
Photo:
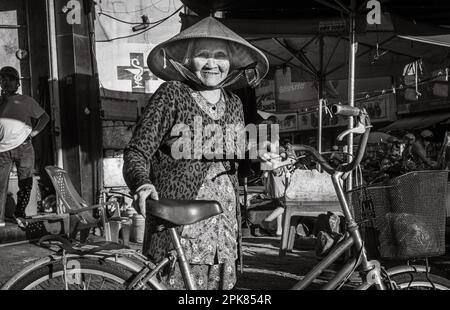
[{"x": 142, "y": 187}]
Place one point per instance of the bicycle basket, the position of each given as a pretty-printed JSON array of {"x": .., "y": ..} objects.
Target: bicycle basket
[{"x": 406, "y": 217}]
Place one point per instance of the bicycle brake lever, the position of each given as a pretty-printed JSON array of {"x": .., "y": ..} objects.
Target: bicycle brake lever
[
  {"x": 360, "y": 129},
  {"x": 363, "y": 125}
]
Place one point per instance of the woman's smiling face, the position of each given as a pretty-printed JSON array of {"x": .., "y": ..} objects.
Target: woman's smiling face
[{"x": 210, "y": 61}]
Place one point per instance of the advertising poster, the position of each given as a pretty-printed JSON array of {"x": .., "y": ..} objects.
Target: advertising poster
[{"x": 265, "y": 96}]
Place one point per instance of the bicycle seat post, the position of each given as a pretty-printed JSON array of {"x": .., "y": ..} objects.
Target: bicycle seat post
[{"x": 184, "y": 265}]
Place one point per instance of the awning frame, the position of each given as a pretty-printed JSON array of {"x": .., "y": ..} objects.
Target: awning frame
[{"x": 416, "y": 122}]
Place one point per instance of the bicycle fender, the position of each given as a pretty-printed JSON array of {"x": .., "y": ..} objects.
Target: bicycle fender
[
  {"x": 37, "y": 264},
  {"x": 395, "y": 271},
  {"x": 406, "y": 268},
  {"x": 54, "y": 258}
]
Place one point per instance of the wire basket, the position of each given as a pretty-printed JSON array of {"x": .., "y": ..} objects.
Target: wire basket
[{"x": 404, "y": 218}]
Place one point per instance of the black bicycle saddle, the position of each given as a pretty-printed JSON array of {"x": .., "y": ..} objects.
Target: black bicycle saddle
[{"x": 183, "y": 212}]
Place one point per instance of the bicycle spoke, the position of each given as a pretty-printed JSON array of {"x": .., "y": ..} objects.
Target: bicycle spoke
[
  {"x": 90, "y": 278},
  {"x": 102, "y": 284}
]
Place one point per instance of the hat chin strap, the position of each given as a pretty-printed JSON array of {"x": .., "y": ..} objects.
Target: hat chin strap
[{"x": 195, "y": 82}]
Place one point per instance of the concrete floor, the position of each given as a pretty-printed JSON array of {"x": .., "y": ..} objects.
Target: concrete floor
[{"x": 263, "y": 268}]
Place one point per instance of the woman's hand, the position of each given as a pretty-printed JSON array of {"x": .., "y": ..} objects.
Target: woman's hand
[
  {"x": 272, "y": 161},
  {"x": 269, "y": 160},
  {"x": 141, "y": 195}
]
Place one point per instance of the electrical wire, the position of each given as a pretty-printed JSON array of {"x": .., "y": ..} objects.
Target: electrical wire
[
  {"x": 379, "y": 93},
  {"x": 127, "y": 12},
  {"x": 394, "y": 89},
  {"x": 118, "y": 19},
  {"x": 158, "y": 9},
  {"x": 129, "y": 36},
  {"x": 145, "y": 30},
  {"x": 134, "y": 23}
]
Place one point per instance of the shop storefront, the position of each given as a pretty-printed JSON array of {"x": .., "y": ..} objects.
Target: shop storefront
[
  {"x": 294, "y": 105},
  {"x": 85, "y": 65},
  {"x": 50, "y": 43},
  {"x": 21, "y": 25},
  {"x": 425, "y": 106}
]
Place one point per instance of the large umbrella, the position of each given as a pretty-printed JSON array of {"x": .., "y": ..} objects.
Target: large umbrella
[
  {"x": 329, "y": 39},
  {"x": 293, "y": 34},
  {"x": 315, "y": 40}
]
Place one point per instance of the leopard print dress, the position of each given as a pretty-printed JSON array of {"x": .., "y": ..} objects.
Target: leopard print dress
[{"x": 211, "y": 246}]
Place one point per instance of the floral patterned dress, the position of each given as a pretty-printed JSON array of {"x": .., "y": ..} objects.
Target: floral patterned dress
[{"x": 211, "y": 246}]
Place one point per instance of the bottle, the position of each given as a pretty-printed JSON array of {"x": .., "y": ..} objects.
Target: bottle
[
  {"x": 130, "y": 212},
  {"x": 138, "y": 228}
]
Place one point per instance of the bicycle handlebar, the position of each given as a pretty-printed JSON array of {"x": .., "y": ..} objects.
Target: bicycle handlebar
[
  {"x": 318, "y": 158},
  {"x": 346, "y": 111}
]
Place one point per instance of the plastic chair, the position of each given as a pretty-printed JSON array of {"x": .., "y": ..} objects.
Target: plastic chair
[
  {"x": 302, "y": 209},
  {"x": 81, "y": 214}
]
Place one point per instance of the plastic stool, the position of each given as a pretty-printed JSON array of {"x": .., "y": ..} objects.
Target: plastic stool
[{"x": 302, "y": 208}]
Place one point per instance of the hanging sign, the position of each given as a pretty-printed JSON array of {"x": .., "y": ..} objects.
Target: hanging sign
[
  {"x": 380, "y": 109},
  {"x": 286, "y": 121},
  {"x": 136, "y": 72},
  {"x": 265, "y": 96}
]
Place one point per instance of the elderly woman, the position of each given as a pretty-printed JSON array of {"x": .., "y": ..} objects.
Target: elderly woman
[{"x": 197, "y": 64}]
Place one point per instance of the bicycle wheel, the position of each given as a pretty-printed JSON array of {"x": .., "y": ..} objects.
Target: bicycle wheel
[
  {"x": 90, "y": 274},
  {"x": 420, "y": 281}
]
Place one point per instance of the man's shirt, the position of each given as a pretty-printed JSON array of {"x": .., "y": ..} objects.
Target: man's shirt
[{"x": 16, "y": 113}]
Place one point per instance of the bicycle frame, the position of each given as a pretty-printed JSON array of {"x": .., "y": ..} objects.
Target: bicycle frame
[
  {"x": 352, "y": 239},
  {"x": 185, "y": 268},
  {"x": 146, "y": 271},
  {"x": 141, "y": 271}
]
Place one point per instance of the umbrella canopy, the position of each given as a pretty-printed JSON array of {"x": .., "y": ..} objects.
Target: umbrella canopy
[
  {"x": 383, "y": 50},
  {"x": 416, "y": 122},
  {"x": 433, "y": 12},
  {"x": 324, "y": 39},
  {"x": 376, "y": 137}
]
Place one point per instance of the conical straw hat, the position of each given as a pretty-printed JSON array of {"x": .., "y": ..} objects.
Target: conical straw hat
[{"x": 176, "y": 48}]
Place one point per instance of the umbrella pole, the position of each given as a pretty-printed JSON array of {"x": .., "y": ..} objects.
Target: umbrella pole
[
  {"x": 320, "y": 91},
  {"x": 351, "y": 85}
]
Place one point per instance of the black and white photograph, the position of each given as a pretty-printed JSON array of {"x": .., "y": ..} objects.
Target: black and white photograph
[{"x": 240, "y": 148}]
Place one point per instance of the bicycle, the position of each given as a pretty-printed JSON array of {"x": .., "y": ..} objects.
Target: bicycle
[{"x": 113, "y": 266}]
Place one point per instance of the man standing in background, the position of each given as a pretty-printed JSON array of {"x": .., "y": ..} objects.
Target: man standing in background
[{"x": 17, "y": 113}]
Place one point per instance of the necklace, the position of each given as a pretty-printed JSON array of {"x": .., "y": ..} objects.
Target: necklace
[
  {"x": 213, "y": 105},
  {"x": 214, "y": 110}
]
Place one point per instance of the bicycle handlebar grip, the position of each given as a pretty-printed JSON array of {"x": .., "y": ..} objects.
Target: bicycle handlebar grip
[
  {"x": 345, "y": 110},
  {"x": 319, "y": 158}
]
